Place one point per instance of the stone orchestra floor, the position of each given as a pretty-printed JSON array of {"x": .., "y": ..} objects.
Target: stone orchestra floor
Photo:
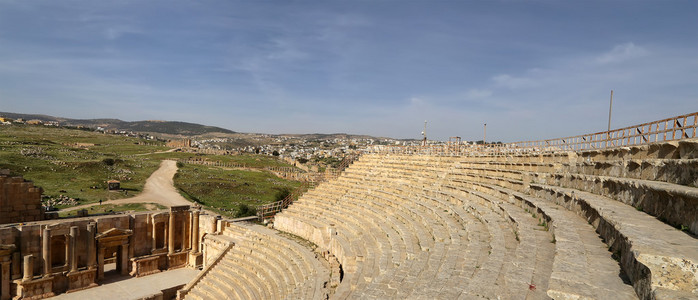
[{"x": 126, "y": 287}]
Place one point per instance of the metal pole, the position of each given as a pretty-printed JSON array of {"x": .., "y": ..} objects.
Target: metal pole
[
  {"x": 610, "y": 109},
  {"x": 608, "y": 131},
  {"x": 484, "y": 139}
]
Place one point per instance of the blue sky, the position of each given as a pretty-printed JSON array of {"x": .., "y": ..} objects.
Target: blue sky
[{"x": 529, "y": 69}]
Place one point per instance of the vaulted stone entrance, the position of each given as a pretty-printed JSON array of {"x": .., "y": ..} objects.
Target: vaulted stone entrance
[{"x": 113, "y": 243}]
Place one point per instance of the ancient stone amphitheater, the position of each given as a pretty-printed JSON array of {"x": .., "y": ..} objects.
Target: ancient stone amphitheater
[{"x": 612, "y": 215}]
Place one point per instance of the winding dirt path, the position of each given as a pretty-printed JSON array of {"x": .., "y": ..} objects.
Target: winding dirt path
[{"x": 159, "y": 188}]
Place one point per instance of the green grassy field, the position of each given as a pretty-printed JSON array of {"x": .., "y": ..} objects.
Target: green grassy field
[
  {"x": 225, "y": 190},
  {"x": 48, "y": 157}
]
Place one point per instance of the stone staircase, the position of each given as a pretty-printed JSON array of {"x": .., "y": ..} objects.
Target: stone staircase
[{"x": 262, "y": 264}]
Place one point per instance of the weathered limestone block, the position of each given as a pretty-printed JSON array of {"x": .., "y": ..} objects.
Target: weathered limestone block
[
  {"x": 80, "y": 280},
  {"x": 143, "y": 266},
  {"x": 35, "y": 289}
]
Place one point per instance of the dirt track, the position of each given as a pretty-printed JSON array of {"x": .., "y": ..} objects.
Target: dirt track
[{"x": 159, "y": 188}]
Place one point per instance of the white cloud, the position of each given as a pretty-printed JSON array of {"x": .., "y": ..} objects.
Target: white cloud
[
  {"x": 512, "y": 82},
  {"x": 621, "y": 53},
  {"x": 416, "y": 101},
  {"x": 478, "y": 93},
  {"x": 116, "y": 32}
]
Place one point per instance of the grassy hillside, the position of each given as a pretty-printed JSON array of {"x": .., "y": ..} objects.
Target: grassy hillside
[
  {"x": 166, "y": 127},
  {"x": 77, "y": 164},
  {"x": 51, "y": 159}
]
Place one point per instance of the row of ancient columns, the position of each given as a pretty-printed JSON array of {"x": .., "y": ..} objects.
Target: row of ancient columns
[
  {"x": 71, "y": 245},
  {"x": 194, "y": 236},
  {"x": 72, "y": 251}
]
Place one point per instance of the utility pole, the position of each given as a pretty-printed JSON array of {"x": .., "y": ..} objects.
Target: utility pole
[
  {"x": 424, "y": 133},
  {"x": 610, "y": 109},
  {"x": 484, "y": 139}
]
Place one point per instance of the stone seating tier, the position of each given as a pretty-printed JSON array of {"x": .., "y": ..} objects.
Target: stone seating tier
[
  {"x": 262, "y": 265},
  {"x": 403, "y": 225}
]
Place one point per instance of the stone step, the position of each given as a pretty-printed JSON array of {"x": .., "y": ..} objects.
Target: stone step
[
  {"x": 649, "y": 196},
  {"x": 646, "y": 246},
  {"x": 583, "y": 266}
]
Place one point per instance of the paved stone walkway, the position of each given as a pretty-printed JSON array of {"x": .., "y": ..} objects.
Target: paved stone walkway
[{"x": 127, "y": 288}]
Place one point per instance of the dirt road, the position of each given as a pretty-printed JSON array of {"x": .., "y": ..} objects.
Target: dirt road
[{"x": 159, "y": 188}]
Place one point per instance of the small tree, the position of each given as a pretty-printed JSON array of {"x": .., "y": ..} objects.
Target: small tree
[
  {"x": 282, "y": 194},
  {"x": 275, "y": 153},
  {"x": 244, "y": 210}
]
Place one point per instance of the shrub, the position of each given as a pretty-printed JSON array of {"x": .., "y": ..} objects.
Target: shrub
[
  {"x": 244, "y": 210},
  {"x": 281, "y": 194}
]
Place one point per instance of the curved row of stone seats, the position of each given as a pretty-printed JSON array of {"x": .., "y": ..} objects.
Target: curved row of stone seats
[
  {"x": 660, "y": 260},
  {"x": 262, "y": 265},
  {"x": 603, "y": 283},
  {"x": 396, "y": 237},
  {"x": 674, "y": 204}
]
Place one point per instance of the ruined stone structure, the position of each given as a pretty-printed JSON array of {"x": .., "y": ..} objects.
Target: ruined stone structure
[
  {"x": 183, "y": 143},
  {"x": 20, "y": 200},
  {"x": 42, "y": 259}
]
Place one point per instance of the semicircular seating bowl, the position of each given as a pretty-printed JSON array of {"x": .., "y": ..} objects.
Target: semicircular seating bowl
[
  {"x": 618, "y": 223},
  {"x": 593, "y": 224}
]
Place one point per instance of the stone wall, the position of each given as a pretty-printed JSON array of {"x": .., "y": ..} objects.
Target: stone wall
[
  {"x": 70, "y": 254},
  {"x": 20, "y": 200}
]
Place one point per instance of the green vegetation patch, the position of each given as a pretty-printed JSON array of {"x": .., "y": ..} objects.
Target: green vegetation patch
[
  {"x": 76, "y": 163},
  {"x": 233, "y": 193}
]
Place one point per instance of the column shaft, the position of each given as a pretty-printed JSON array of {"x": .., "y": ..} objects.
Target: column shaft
[
  {"x": 46, "y": 251},
  {"x": 28, "y": 267},
  {"x": 195, "y": 233},
  {"x": 171, "y": 234},
  {"x": 155, "y": 235},
  {"x": 73, "y": 250},
  {"x": 124, "y": 260},
  {"x": 91, "y": 249},
  {"x": 5, "y": 278},
  {"x": 100, "y": 263},
  {"x": 184, "y": 231}
]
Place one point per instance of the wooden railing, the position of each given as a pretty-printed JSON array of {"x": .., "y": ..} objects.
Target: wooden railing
[
  {"x": 267, "y": 211},
  {"x": 676, "y": 128}
]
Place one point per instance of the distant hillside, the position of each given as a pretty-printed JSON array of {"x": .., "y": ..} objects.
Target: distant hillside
[{"x": 164, "y": 127}]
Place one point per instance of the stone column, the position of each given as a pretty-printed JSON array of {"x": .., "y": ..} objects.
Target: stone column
[
  {"x": 100, "y": 263},
  {"x": 16, "y": 262},
  {"x": 214, "y": 224},
  {"x": 46, "y": 251},
  {"x": 5, "y": 278},
  {"x": 91, "y": 251},
  {"x": 195, "y": 232},
  {"x": 124, "y": 259},
  {"x": 28, "y": 267},
  {"x": 171, "y": 234},
  {"x": 73, "y": 249},
  {"x": 184, "y": 231},
  {"x": 155, "y": 235}
]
